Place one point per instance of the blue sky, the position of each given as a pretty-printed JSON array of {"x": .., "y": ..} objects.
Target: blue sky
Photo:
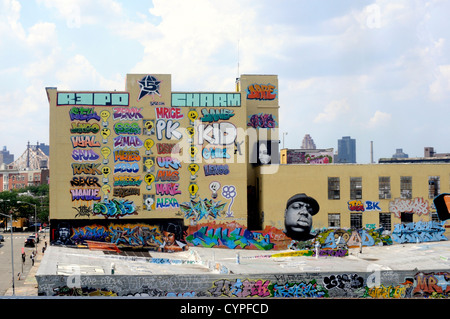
[{"x": 373, "y": 70}]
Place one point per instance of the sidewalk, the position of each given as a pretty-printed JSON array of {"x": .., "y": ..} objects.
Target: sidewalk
[{"x": 26, "y": 287}]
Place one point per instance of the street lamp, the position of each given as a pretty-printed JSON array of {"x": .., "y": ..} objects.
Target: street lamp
[
  {"x": 35, "y": 220},
  {"x": 12, "y": 249},
  {"x": 284, "y": 133}
]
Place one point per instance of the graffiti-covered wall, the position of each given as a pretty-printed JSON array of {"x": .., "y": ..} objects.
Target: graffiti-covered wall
[
  {"x": 379, "y": 284},
  {"x": 150, "y": 153}
]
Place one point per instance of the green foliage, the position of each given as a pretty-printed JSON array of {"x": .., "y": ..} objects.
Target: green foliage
[{"x": 34, "y": 195}]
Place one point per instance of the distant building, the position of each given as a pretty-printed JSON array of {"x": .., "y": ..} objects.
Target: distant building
[
  {"x": 30, "y": 169},
  {"x": 430, "y": 156},
  {"x": 399, "y": 154},
  {"x": 5, "y": 156},
  {"x": 306, "y": 156},
  {"x": 346, "y": 150},
  {"x": 308, "y": 143}
]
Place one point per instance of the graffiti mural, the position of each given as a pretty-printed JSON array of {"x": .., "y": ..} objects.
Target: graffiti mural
[
  {"x": 418, "y": 232},
  {"x": 261, "y": 92},
  {"x": 202, "y": 209},
  {"x": 165, "y": 236},
  {"x": 261, "y": 120},
  {"x": 229, "y": 236},
  {"x": 417, "y": 206}
]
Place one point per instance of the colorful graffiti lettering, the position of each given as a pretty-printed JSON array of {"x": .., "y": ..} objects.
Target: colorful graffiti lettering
[
  {"x": 127, "y": 141},
  {"x": 84, "y": 155},
  {"x": 212, "y": 169},
  {"x": 165, "y": 175},
  {"x": 127, "y": 128},
  {"x": 299, "y": 290},
  {"x": 167, "y": 189},
  {"x": 86, "y": 168},
  {"x": 84, "y": 141},
  {"x": 432, "y": 285},
  {"x": 206, "y": 99},
  {"x": 264, "y": 288},
  {"x": 127, "y": 180},
  {"x": 419, "y": 232},
  {"x": 382, "y": 292},
  {"x": 262, "y": 121},
  {"x": 261, "y": 92},
  {"x": 168, "y": 113},
  {"x": 99, "y": 99},
  {"x": 240, "y": 288},
  {"x": 84, "y": 128},
  {"x": 126, "y": 168},
  {"x": 127, "y": 156},
  {"x": 166, "y": 148},
  {"x": 83, "y": 114},
  {"x": 417, "y": 206},
  {"x": 202, "y": 208},
  {"x": 214, "y": 115},
  {"x": 167, "y": 203},
  {"x": 332, "y": 238},
  {"x": 114, "y": 208},
  {"x": 88, "y": 181},
  {"x": 124, "y": 113},
  {"x": 215, "y": 152},
  {"x": 86, "y": 194},
  {"x": 124, "y": 192},
  {"x": 168, "y": 162},
  {"x": 359, "y": 206},
  {"x": 170, "y": 128},
  {"x": 221, "y": 236}
]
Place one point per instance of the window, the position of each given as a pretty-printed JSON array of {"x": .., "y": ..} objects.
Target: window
[
  {"x": 334, "y": 220},
  {"x": 406, "y": 218},
  {"x": 385, "y": 221},
  {"x": 334, "y": 188},
  {"x": 355, "y": 188},
  {"x": 355, "y": 220},
  {"x": 384, "y": 187},
  {"x": 433, "y": 186},
  {"x": 435, "y": 217},
  {"x": 406, "y": 187}
]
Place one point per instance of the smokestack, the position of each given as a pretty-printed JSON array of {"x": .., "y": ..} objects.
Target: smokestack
[{"x": 371, "y": 152}]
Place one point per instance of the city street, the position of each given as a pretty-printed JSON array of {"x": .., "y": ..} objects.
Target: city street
[{"x": 5, "y": 260}]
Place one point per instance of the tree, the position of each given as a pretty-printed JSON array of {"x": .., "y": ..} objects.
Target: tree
[{"x": 36, "y": 195}]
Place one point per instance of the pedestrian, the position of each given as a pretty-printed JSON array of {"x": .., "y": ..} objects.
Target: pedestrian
[{"x": 32, "y": 259}]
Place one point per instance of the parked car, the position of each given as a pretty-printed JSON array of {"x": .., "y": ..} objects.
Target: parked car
[
  {"x": 45, "y": 230},
  {"x": 30, "y": 241},
  {"x": 35, "y": 236}
]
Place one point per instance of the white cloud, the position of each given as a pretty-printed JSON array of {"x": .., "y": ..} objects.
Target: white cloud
[
  {"x": 379, "y": 119},
  {"x": 440, "y": 87},
  {"x": 332, "y": 111},
  {"x": 78, "y": 72}
]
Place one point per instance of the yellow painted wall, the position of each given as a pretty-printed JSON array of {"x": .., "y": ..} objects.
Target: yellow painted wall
[{"x": 142, "y": 96}]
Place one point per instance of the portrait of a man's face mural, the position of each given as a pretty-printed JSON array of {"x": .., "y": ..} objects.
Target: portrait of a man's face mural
[{"x": 300, "y": 209}]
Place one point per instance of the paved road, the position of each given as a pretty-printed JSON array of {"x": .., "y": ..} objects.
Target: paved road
[{"x": 5, "y": 260}]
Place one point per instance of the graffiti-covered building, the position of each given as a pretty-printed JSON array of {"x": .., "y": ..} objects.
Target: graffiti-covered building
[
  {"x": 151, "y": 167},
  {"x": 132, "y": 167}
]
